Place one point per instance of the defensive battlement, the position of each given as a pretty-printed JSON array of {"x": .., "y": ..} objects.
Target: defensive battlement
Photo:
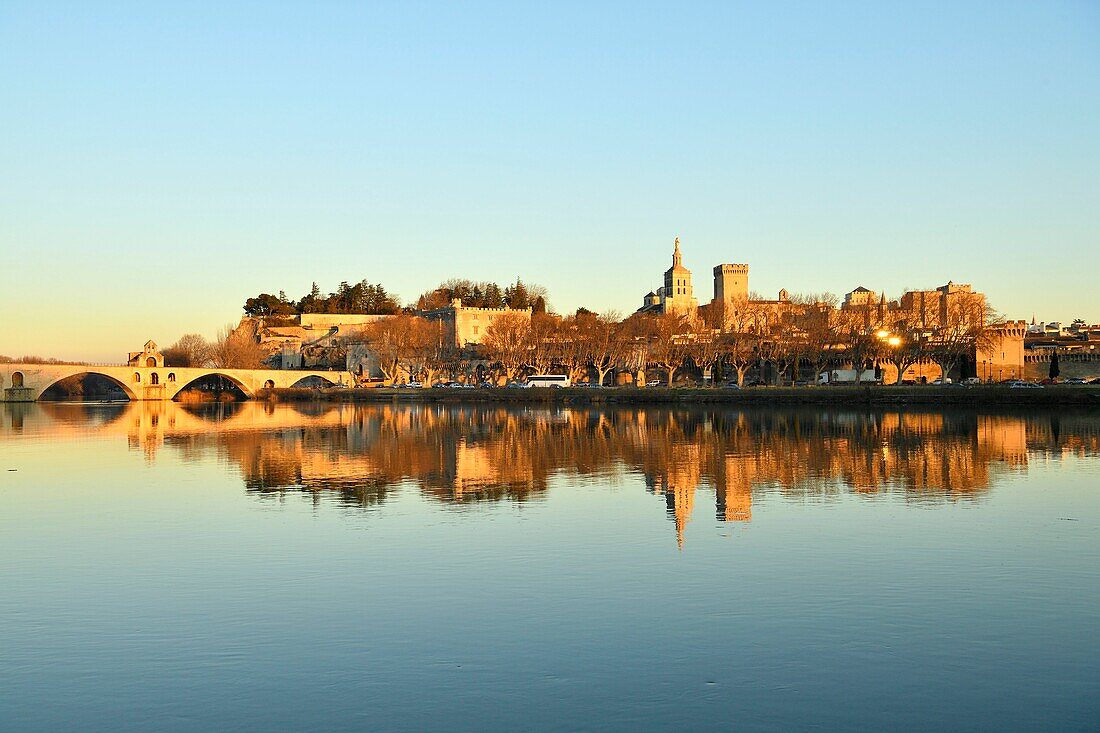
[
  {"x": 1011, "y": 328},
  {"x": 729, "y": 269},
  {"x": 456, "y": 304}
]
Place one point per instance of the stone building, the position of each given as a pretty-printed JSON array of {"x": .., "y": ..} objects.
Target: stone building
[
  {"x": 1002, "y": 356},
  {"x": 731, "y": 283},
  {"x": 953, "y": 302},
  {"x": 149, "y": 356},
  {"x": 465, "y": 326},
  {"x": 677, "y": 294}
]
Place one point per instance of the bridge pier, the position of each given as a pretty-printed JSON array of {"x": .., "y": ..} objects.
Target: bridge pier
[{"x": 19, "y": 394}]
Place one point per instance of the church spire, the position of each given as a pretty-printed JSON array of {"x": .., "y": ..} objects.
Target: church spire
[{"x": 677, "y": 258}]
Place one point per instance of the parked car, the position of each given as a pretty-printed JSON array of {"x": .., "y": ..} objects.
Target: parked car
[
  {"x": 1021, "y": 384},
  {"x": 1076, "y": 380},
  {"x": 942, "y": 381},
  {"x": 654, "y": 383},
  {"x": 732, "y": 385},
  {"x": 971, "y": 381}
]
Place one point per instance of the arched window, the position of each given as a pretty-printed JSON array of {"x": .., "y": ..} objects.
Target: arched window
[
  {"x": 171, "y": 377},
  {"x": 137, "y": 376},
  {"x": 151, "y": 361},
  {"x": 154, "y": 378},
  {"x": 17, "y": 379}
]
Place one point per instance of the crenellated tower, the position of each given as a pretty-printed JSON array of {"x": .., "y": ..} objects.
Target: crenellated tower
[{"x": 731, "y": 283}]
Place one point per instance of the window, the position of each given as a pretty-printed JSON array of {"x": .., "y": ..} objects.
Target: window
[
  {"x": 154, "y": 378},
  {"x": 137, "y": 377}
]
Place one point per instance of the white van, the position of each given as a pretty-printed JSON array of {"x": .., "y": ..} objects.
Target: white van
[{"x": 548, "y": 380}]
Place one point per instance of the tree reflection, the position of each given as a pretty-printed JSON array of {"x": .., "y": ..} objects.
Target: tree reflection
[
  {"x": 460, "y": 456},
  {"x": 463, "y": 455}
]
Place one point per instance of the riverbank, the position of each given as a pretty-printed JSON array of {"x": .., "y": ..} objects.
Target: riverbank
[{"x": 924, "y": 395}]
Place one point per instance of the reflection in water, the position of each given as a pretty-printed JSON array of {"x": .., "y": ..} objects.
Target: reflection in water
[{"x": 359, "y": 454}]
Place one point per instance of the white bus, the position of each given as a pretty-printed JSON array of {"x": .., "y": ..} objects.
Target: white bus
[{"x": 548, "y": 380}]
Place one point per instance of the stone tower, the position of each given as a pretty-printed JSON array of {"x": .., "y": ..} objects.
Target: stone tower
[
  {"x": 731, "y": 283},
  {"x": 677, "y": 295}
]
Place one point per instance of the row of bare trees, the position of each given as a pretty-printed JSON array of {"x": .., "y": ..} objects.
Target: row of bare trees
[
  {"x": 803, "y": 334},
  {"x": 234, "y": 348},
  {"x": 790, "y": 339}
]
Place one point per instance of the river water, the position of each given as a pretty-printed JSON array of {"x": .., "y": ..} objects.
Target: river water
[{"x": 406, "y": 567}]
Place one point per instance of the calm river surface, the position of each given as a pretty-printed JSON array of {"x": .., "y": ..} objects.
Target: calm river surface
[{"x": 322, "y": 567}]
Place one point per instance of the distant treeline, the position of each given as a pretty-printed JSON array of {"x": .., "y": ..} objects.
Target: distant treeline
[
  {"x": 363, "y": 297},
  {"x": 372, "y": 298},
  {"x": 485, "y": 294}
]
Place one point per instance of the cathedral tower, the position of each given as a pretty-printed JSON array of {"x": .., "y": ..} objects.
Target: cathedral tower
[{"x": 677, "y": 295}]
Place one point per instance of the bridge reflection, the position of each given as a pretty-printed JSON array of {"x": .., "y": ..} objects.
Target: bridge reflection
[{"x": 359, "y": 455}]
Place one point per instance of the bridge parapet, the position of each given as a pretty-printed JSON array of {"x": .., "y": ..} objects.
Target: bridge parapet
[{"x": 27, "y": 382}]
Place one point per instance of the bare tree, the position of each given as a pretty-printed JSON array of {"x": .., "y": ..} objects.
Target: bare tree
[
  {"x": 433, "y": 353},
  {"x": 571, "y": 344},
  {"x": 397, "y": 343},
  {"x": 705, "y": 346},
  {"x": 191, "y": 350},
  {"x": 605, "y": 339},
  {"x": 738, "y": 351},
  {"x": 237, "y": 348},
  {"x": 857, "y": 336},
  {"x": 544, "y": 334},
  {"x": 963, "y": 330},
  {"x": 507, "y": 342},
  {"x": 670, "y": 343},
  {"x": 815, "y": 338}
]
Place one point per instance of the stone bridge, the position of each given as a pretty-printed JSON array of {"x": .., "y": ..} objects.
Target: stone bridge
[{"x": 27, "y": 382}]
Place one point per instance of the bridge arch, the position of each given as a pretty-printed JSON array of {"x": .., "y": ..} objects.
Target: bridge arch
[
  {"x": 54, "y": 381},
  {"x": 311, "y": 378},
  {"x": 245, "y": 390}
]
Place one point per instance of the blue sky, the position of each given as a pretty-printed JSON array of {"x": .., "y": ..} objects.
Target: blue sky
[{"x": 160, "y": 163}]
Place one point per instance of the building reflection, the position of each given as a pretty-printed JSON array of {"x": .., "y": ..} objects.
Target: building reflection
[{"x": 358, "y": 455}]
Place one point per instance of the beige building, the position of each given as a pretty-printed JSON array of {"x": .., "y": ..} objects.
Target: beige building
[
  {"x": 950, "y": 303},
  {"x": 149, "y": 356},
  {"x": 731, "y": 283},
  {"x": 677, "y": 295},
  {"x": 1003, "y": 356},
  {"x": 464, "y": 326}
]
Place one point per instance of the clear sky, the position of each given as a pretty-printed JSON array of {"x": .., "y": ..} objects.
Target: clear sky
[{"x": 159, "y": 163}]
